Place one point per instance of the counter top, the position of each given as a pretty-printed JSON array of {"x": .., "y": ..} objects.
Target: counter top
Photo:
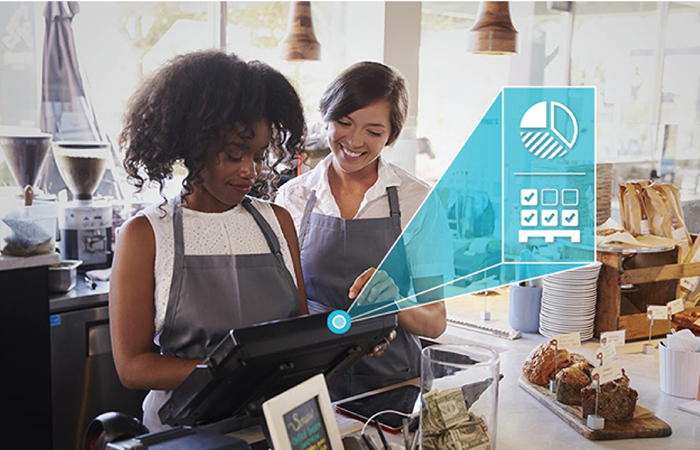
[
  {"x": 81, "y": 296},
  {"x": 524, "y": 423},
  {"x": 14, "y": 262}
]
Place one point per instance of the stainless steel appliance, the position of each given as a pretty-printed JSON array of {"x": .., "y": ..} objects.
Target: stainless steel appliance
[
  {"x": 84, "y": 380},
  {"x": 85, "y": 224}
]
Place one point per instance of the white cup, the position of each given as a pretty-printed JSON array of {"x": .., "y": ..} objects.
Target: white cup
[{"x": 678, "y": 372}]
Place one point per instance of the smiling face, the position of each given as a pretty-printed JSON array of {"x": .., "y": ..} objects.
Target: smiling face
[
  {"x": 232, "y": 168},
  {"x": 357, "y": 139}
]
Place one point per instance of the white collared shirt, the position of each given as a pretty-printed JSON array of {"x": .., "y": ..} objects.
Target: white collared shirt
[{"x": 427, "y": 243}]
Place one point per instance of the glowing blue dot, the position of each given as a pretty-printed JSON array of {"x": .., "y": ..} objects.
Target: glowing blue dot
[{"x": 339, "y": 322}]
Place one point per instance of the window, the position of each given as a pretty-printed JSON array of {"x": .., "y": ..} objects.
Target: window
[{"x": 455, "y": 87}]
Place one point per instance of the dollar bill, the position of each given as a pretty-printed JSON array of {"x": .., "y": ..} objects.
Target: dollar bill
[
  {"x": 446, "y": 424},
  {"x": 452, "y": 407}
]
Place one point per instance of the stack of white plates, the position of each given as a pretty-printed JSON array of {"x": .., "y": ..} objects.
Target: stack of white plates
[{"x": 568, "y": 302}]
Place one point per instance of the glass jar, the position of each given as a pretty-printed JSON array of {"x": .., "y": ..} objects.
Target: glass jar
[{"x": 459, "y": 397}]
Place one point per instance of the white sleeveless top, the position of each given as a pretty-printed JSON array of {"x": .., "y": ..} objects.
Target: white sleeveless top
[{"x": 233, "y": 232}]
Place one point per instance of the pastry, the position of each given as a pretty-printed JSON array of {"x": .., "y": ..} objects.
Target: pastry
[
  {"x": 540, "y": 367},
  {"x": 576, "y": 358},
  {"x": 617, "y": 400},
  {"x": 570, "y": 381}
]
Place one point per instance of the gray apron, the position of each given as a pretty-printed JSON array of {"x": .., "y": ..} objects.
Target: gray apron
[
  {"x": 211, "y": 294},
  {"x": 334, "y": 252}
]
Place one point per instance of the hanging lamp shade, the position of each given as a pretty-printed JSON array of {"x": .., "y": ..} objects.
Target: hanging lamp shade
[
  {"x": 300, "y": 43},
  {"x": 493, "y": 33}
]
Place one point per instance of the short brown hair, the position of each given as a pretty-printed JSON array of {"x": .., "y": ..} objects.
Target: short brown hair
[{"x": 361, "y": 85}]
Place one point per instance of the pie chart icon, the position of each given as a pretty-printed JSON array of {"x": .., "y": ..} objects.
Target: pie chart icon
[{"x": 548, "y": 130}]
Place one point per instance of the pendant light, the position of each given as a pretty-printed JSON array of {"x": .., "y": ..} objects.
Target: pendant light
[
  {"x": 300, "y": 43},
  {"x": 493, "y": 33}
]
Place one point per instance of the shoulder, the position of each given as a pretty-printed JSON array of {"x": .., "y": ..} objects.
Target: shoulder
[
  {"x": 298, "y": 185},
  {"x": 410, "y": 184},
  {"x": 272, "y": 211},
  {"x": 137, "y": 234},
  {"x": 157, "y": 212}
]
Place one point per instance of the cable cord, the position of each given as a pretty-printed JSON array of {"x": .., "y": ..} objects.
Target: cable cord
[{"x": 388, "y": 411}]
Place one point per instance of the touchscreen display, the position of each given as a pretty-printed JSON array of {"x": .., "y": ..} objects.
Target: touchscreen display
[
  {"x": 404, "y": 399},
  {"x": 305, "y": 427}
]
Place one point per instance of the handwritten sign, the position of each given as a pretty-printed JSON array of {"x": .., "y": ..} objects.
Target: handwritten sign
[
  {"x": 616, "y": 338},
  {"x": 608, "y": 372},
  {"x": 657, "y": 312},
  {"x": 571, "y": 340},
  {"x": 305, "y": 427},
  {"x": 675, "y": 306},
  {"x": 605, "y": 354}
]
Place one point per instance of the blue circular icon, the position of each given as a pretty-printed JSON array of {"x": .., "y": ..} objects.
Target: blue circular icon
[{"x": 339, "y": 322}]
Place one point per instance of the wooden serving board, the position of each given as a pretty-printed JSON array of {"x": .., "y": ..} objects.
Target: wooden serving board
[{"x": 642, "y": 426}]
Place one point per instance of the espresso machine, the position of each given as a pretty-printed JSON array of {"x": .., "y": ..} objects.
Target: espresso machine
[{"x": 85, "y": 224}]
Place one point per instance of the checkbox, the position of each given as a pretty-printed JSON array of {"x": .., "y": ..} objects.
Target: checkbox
[
  {"x": 550, "y": 197},
  {"x": 528, "y": 197},
  {"x": 528, "y": 218},
  {"x": 550, "y": 218},
  {"x": 569, "y": 218},
  {"x": 569, "y": 197}
]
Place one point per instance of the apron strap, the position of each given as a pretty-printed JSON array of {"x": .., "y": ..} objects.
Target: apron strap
[
  {"x": 304, "y": 228},
  {"x": 178, "y": 268},
  {"x": 394, "y": 208},
  {"x": 265, "y": 227},
  {"x": 178, "y": 234}
]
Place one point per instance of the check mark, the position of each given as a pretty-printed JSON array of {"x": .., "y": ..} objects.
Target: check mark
[
  {"x": 549, "y": 219},
  {"x": 529, "y": 218},
  {"x": 529, "y": 197},
  {"x": 570, "y": 218}
]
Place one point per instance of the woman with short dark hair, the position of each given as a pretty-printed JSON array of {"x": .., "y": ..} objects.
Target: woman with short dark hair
[{"x": 351, "y": 209}]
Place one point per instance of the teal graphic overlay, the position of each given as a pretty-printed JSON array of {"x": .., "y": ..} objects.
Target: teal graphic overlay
[{"x": 517, "y": 202}]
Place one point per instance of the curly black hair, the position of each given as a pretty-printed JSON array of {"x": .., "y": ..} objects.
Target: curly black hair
[{"x": 192, "y": 102}]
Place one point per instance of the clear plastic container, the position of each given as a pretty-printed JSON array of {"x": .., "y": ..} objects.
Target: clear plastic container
[
  {"x": 459, "y": 397},
  {"x": 27, "y": 230}
]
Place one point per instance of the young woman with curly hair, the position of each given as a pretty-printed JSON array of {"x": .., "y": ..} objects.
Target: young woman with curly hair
[{"x": 188, "y": 270}]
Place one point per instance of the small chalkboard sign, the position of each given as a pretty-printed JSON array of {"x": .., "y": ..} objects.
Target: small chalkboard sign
[
  {"x": 302, "y": 418},
  {"x": 305, "y": 427}
]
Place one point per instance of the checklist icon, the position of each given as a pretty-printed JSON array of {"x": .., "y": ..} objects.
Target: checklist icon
[
  {"x": 528, "y": 218},
  {"x": 528, "y": 197},
  {"x": 569, "y": 218},
  {"x": 549, "y": 218}
]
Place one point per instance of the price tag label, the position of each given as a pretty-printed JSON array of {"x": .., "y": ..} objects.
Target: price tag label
[
  {"x": 605, "y": 354},
  {"x": 657, "y": 312},
  {"x": 675, "y": 306},
  {"x": 616, "y": 338},
  {"x": 571, "y": 340},
  {"x": 608, "y": 372}
]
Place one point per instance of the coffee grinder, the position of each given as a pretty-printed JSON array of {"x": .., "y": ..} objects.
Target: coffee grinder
[
  {"x": 25, "y": 155},
  {"x": 85, "y": 224}
]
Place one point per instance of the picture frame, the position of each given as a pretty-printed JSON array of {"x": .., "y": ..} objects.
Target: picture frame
[{"x": 302, "y": 418}]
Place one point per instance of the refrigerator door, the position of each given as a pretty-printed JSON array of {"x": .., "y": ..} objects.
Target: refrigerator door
[{"x": 84, "y": 379}]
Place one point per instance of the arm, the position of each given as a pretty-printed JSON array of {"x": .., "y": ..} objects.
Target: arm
[
  {"x": 429, "y": 320},
  {"x": 290, "y": 234},
  {"x": 131, "y": 314}
]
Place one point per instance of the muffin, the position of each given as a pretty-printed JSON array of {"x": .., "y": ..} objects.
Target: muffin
[
  {"x": 577, "y": 358},
  {"x": 617, "y": 400},
  {"x": 540, "y": 367},
  {"x": 570, "y": 381}
]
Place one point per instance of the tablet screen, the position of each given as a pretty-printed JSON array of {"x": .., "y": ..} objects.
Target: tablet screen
[{"x": 404, "y": 399}]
